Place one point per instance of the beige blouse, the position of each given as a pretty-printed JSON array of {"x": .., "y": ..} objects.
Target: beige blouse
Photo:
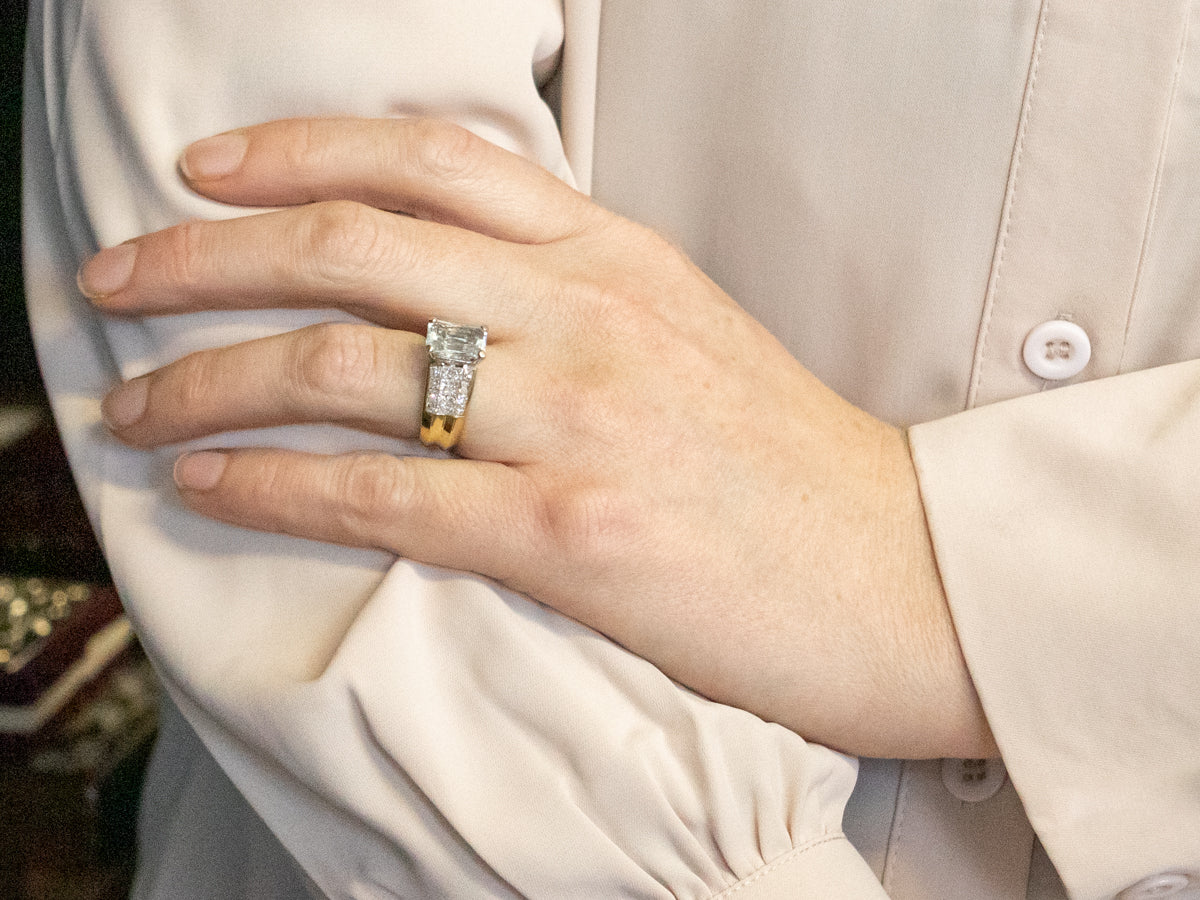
[{"x": 980, "y": 216}]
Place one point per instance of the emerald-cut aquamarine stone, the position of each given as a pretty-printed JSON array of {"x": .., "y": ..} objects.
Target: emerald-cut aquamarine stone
[{"x": 456, "y": 344}]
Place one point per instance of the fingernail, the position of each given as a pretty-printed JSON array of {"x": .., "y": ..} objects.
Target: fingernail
[
  {"x": 214, "y": 157},
  {"x": 108, "y": 271},
  {"x": 199, "y": 471},
  {"x": 124, "y": 405}
]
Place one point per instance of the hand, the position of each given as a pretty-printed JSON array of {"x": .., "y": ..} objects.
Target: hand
[{"x": 640, "y": 454}]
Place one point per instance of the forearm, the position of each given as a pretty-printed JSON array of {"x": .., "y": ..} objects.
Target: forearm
[{"x": 381, "y": 727}]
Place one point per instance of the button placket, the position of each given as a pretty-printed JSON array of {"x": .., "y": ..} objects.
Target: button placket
[{"x": 1074, "y": 222}]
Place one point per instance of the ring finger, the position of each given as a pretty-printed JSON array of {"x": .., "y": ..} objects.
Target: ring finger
[{"x": 360, "y": 376}]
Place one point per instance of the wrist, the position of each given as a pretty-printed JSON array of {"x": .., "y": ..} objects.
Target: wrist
[{"x": 941, "y": 682}]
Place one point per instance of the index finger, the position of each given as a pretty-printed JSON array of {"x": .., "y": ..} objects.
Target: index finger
[{"x": 427, "y": 168}]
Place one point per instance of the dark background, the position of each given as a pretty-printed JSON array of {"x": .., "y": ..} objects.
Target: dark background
[
  {"x": 68, "y": 796},
  {"x": 19, "y": 381}
]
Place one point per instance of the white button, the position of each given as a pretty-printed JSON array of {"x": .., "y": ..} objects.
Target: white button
[
  {"x": 1168, "y": 884},
  {"x": 973, "y": 780},
  {"x": 1057, "y": 350}
]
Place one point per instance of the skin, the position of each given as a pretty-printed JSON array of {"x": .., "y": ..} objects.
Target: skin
[{"x": 640, "y": 453}]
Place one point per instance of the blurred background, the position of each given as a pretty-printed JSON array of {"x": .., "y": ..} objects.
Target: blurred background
[
  {"x": 18, "y": 373},
  {"x": 77, "y": 698}
]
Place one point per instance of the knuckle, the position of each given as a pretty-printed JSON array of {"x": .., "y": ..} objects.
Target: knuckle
[
  {"x": 195, "y": 384},
  {"x": 374, "y": 491},
  {"x": 305, "y": 151},
  {"x": 652, "y": 245},
  {"x": 590, "y": 527},
  {"x": 614, "y": 307},
  {"x": 183, "y": 262},
  {"x": 633, "y": 304},
  {"x": 264, "y": 493},
  {"x": 268, "y": 484},
  {"x": 334, "y": 362},
  {"x": 608, "y": 304},
  {"x": 443, "y": 150},
  {"x": 588, "y": 408},
  {"x": 342, "y": 241}
]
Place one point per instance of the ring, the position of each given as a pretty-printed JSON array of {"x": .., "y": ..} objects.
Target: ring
[{"x": 454, "y": 351}]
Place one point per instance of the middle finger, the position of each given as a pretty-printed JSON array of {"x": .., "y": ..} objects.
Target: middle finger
[{"x": 383, "y": 267}]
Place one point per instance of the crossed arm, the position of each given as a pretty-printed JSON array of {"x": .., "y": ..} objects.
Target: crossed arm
[{"x": 640, "y": 455}]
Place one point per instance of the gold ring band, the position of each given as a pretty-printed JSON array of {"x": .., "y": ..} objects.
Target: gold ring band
[
  {"x": 441, "y": 431},
  {"x": 454, "y": 352}
]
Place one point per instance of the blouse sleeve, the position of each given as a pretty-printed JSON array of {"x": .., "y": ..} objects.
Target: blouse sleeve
[
  {"x": 402, "y": 731},
  {"x": 1066, "y": 530}
]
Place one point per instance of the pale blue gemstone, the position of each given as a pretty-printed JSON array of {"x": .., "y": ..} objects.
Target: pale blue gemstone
[{"x": 460, "y": 344}]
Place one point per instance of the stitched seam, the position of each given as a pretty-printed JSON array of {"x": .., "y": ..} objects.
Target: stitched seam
[
  {"x": 1006, "y": 215},
  {"x": 897, "y": 826},
  {"x": 1152, "y": 212},
  {"x": 787, "y": 858}
]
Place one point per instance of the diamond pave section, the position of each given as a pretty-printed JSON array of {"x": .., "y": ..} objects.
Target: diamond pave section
[
  {"x": 450, "y": 343},
  {"x": 449, "y": 389}
]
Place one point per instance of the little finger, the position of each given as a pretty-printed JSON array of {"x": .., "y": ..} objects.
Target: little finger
[{"x": 460, "y": 514}]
